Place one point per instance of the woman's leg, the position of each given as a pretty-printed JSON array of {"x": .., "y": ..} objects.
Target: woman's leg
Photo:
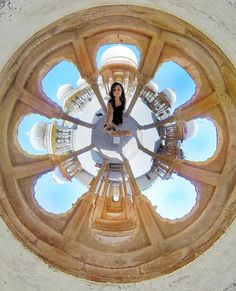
[
  {"x": 111, "y": 129},
  {"x": 120, "y": 132}
]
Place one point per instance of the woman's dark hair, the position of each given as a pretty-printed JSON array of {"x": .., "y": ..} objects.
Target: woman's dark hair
[{"x": 122, "y": 97}]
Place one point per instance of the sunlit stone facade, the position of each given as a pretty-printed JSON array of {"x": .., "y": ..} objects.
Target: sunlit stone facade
[
  {"x": 86, "y": 241},
  {"x": 61, "y": 140}
]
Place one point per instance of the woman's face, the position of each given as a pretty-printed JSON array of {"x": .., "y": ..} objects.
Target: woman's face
[{"x": 117, "y": 91}]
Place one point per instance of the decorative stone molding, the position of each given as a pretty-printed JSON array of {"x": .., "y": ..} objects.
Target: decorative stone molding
[{"x": 159, "y": 246}]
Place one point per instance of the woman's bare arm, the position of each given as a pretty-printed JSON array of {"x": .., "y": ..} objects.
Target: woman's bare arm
[{"x": 109, "y": 114}]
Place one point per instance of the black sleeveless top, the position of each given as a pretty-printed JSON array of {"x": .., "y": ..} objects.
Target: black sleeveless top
[{"x": 117, "y": 114}]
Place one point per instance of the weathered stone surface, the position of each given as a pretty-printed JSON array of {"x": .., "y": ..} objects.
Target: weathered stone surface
[{"x": 191, "y": 239}]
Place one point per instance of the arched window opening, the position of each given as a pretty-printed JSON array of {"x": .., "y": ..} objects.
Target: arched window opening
[
  {"x": 171, "y": 75},
  {"x": 25, "y": 130},
  {"x": 116, "y": 197},
  {"x": 118, "y": 63},
  {"x": 173, "y": 198},
  {"x": 203, "y": 145},
  {"x": 56, "y": 195},
  {"x": 60, "y": 80}
]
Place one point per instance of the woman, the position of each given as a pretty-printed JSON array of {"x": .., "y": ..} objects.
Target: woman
[{"x": 115, "y": 108}]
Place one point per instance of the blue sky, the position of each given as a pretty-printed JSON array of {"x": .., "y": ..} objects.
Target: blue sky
[
  {"x": 170, "y": 75},
  {"x": 57, "y": 198},
  {"x": 173, "y": 198},
  {"x": 204, "y": 144},
  {"x": 63, "y": 73}
]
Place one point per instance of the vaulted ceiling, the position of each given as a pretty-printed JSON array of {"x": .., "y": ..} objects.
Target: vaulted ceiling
[{"x": 160, "y": 37}]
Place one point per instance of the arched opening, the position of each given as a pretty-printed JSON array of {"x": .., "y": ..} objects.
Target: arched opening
[
  {"x": 173, "y": 198},
  {"x": 24, "y": 128},
  {"x": 55, "y": 194},
  {"x": 117, "y": 63},
  {"x": 116, "y": 197},
  {"x": 171, "y": 75},
  {"x": 63, "y": 73},
  {"x": 203, "y": 145}
]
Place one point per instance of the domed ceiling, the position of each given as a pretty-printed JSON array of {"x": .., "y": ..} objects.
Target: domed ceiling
[{"x": 113, "y": 233}]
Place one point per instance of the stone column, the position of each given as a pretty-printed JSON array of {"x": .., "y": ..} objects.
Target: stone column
[
  {"x": 142, "y": 80},
  {"x": 193, "y": 172},
  {"x": 92, "y": 81},
  {"x": 48, "y": 108},
  {"x": 34, "y": 168}
]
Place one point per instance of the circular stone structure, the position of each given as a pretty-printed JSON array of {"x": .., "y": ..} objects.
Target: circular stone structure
[{"x": 156, "y": 246}]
